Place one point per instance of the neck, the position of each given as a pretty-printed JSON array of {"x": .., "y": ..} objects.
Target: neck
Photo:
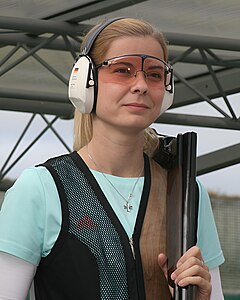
[{"x": 117, "y": 154}]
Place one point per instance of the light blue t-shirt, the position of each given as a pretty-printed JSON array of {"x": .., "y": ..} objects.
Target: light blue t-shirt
[{"x": 30, "y": 218}]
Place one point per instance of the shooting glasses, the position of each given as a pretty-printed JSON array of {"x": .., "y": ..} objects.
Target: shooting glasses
[{"x": 124, "y": 69}]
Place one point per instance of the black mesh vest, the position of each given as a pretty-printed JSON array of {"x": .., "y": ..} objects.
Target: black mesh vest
[{"x": 92, "y": 257}]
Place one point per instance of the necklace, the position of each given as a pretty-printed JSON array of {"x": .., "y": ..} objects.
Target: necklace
[{"x": 128, "y": 206}]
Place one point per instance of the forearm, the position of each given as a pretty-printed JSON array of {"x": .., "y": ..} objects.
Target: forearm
[
  {"x": 15, "y": 277},
  {"x": 216, "y": 285}
]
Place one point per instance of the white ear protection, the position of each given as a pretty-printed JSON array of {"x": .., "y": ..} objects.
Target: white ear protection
[
  {"x": 82, "y": 85},
  {"x": 169, "y": 93},
  {"x": 82, "y": 88}
]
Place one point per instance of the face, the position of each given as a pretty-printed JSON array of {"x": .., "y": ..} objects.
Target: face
[{"x": 133, "y": 104}]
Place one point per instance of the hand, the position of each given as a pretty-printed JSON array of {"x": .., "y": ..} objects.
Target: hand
[{"x": 190, "y": 270}]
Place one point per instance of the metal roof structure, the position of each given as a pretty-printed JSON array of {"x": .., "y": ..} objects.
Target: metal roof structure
[{"x": 40, "y": 39}]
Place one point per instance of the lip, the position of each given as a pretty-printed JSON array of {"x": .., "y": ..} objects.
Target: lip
[{"x": 137, "y": 106}]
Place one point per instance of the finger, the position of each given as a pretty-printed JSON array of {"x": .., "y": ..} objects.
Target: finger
[
  {"x": 192, "y": 252},
  {"x": 191, "y": 272},
  {"x": 162, "y": 260},
  {"x": 203, "y": 285},
  {"x": 190, "y": 262},
  {"x": 191, "y": 267}
]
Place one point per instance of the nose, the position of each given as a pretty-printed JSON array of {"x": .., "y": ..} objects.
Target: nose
[{"x": 139, "y": 84}]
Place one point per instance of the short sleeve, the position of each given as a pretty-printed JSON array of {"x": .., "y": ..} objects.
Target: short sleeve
[
  {"x": 207, "y": 236},
  {"x": 29, "y": 217}
]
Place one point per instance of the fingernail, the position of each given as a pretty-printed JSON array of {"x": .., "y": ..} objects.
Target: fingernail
[
  {"x": 173, "y": 276},
  {"x": 181, "y": 283}
]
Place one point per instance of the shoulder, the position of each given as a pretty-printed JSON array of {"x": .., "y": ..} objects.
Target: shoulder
[
  {"x": 205, "y": 211},
  {"x": 203, "y": 194},
  {"x": 33, "y": 180},
  {"x": 32, "y": 207}
]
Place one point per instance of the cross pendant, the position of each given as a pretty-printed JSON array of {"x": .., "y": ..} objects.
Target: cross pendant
[{"x": 128, "y": 207}]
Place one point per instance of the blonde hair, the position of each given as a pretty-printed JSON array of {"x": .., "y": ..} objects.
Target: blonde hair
[{"x": 120, "y": 28}]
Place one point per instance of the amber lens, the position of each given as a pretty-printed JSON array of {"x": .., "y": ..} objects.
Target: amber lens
[{"x": 124, "y": 70}]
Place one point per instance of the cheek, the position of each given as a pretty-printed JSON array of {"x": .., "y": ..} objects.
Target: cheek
[
  {"x": 157, "y": 97},
  {"x": 102, "y": 95},
  {"x": 105, "y": 98},
  {"x": 110, "y": 93}
]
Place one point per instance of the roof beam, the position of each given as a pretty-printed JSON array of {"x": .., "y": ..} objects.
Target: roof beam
[
  {"x": 218, "y": 159},
  {"x": 35, "y": 95},
  {"x": 195, "y": 58},
  {"x": 199, "y": 121},
  {"x": 200, "y": 41},
  {"x": 32, "y": 41},
  {"x": 228, "y": 78},
  {"x": 94, "y": 9},
  {"x": 63, "y": 110},
  {"x": 36, "y": 26}
]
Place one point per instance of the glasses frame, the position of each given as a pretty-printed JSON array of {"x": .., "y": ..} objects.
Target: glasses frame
[{"x": 168, "y": 68}]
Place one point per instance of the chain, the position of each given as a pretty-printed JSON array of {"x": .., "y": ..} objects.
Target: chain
[{"x": 127, "y": 200}]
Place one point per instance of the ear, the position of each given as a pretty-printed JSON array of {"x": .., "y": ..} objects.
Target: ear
[{"x": 82, "y": 85}]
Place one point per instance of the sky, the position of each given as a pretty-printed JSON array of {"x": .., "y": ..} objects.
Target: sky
[{"x": 224, "y": 181}]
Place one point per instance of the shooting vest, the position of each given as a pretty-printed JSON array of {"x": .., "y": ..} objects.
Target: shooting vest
[{"x": 92, "y": 257}]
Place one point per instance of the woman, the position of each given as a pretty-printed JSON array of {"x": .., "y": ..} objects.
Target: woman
[{"x": 78, "y": 228}]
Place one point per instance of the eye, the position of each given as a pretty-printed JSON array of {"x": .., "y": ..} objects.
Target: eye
[
  {"x": 121, "y": 70},
  {"x": 155, "y": 75}
]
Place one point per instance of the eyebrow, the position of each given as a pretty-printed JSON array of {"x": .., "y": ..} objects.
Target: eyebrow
[
  {"x": 120, "y": 63},
  {"x": 155, "y": 67}
]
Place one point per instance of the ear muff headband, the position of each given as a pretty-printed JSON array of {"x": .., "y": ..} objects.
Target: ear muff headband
[
  {"x": 82, "y": 89},
  {"x": 87, "y": 46}
]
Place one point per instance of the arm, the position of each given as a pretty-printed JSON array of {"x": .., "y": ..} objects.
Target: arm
[
  {"x": 216, "y": 285},
  {"x": 29, "y": 226},
  {"x": 15, "y": 277}
]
